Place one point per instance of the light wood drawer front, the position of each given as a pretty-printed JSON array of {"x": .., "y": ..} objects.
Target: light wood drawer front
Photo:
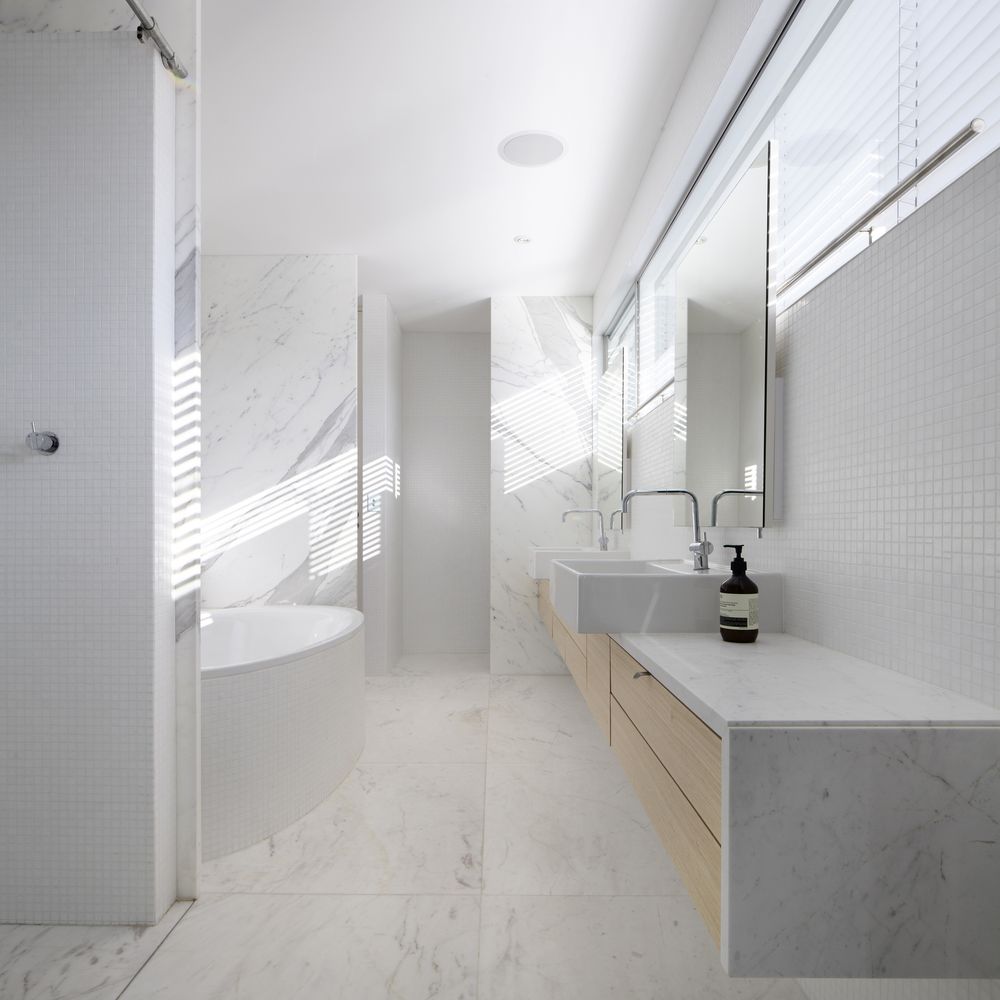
[
  {"x": 686, "y": 747},
  {"x": 545, "y": 605},
  {"x": 599, "y": 680},
  {"x": 580, "y": 640},
  {"x": 694, "y": 850},
  {"x": 570, "y": 652}
]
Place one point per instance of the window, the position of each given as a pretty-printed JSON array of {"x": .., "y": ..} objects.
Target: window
[{"x": 857, "y": 95}]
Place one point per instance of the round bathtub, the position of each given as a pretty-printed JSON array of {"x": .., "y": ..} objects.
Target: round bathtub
[{"x": 282, "y": 708}]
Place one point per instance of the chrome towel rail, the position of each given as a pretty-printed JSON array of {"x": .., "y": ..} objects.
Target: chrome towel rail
[
  {"x": 148, "y": 28},
  {"x": 955, "y": 142}
]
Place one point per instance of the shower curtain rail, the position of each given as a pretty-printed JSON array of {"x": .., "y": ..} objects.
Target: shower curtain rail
[
  {"x": 932, "y": 162},
  {"x": 148, "y": 28}
]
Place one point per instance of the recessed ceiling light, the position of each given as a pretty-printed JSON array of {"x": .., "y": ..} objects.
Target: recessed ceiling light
[
  {"x": 522, "y": 240},
  {"x": 531, "y": 149}
]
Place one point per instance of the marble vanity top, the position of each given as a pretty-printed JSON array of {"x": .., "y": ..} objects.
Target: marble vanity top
[{"x": 781, "y": 680}]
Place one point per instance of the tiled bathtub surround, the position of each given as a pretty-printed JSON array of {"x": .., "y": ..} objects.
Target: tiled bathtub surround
[
  {"x": 280, "y": 458},
  {"x": 541, "y": 462},
  {"x": 87, "y": 244},
  {"x": 277, "y": 741}
]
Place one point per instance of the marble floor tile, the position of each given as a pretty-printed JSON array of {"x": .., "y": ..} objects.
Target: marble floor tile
[
  {"x": 442, "y": 663},
  {"x": 317, "y": 948},
  {"x": 587, "y": 948},
  {"x": 542, "y": 720},
  {"x": 390, "y": 828},
  {"x": 570, "y": 829},
  {"x": 426, "y": 720},
  {"x": 67, "y": 963}
]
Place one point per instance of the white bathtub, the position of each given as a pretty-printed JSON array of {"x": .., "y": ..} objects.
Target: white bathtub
[{"x": 282, "y": 716}]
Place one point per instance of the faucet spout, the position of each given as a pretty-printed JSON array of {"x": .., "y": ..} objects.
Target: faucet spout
[
  {"x": 701, "y": 548},
  {"x": 729, "y": 493},
  {"x": 603, "y": 540}
]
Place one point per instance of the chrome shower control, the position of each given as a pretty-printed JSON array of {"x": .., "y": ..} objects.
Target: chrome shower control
[{"x": 45, "y": 442}]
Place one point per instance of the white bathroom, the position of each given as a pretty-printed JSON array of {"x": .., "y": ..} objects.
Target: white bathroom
[{"x": 499, "y": 501}]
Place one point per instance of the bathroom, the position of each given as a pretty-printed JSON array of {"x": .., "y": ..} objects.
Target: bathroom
[{"x": 327, "y": 328}]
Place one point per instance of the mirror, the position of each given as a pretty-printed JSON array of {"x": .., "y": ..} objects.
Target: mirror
[
  {"x": 721, "y": 355},
  {"x": 608, "y": 420}
]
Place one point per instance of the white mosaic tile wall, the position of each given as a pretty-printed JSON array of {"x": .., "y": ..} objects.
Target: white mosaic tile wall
[
  {"x": 892, "y": 376},
  {"x": 86, "y": 738},
  {"x": 542, "y": 430},
  {"x": 280, "y": 437}
]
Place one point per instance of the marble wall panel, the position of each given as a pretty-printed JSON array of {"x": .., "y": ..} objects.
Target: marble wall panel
[
  {"x": 541, "y": 462},
  {"x": 280, "y": 439}
]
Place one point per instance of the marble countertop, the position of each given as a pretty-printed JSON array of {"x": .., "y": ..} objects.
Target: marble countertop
[{"x": 780, "y": 680}]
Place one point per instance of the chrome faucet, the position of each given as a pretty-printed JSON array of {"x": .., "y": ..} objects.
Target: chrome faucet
[
  {"x": 700, "y": 548},
  {"x": 621, "y": 523},
  {"x": 603, "y": 540},
  {"x": 729, "y": 493}
]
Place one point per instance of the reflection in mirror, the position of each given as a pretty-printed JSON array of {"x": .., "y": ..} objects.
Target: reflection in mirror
[
  {"x": 608, "y": 434},
  {"x": 721, "y": 354}
]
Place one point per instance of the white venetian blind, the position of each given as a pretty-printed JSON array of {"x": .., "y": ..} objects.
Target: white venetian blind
[{"x": 891, "y": 84}]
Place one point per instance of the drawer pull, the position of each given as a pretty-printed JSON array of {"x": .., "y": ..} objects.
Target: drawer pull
[{"x": 641, "y": 673}]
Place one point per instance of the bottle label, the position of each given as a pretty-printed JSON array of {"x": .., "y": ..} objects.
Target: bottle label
[{"x": 738, "y": 611}]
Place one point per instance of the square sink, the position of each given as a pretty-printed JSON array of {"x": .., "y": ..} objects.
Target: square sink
[
  {"x": 649, "y": 596},
  {"x": 540, "y": 560}
]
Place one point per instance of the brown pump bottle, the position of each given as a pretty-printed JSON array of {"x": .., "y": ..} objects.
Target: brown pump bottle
[{"x": 738, "y": 603}]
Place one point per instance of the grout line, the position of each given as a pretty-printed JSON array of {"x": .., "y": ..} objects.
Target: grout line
[
  {"x": 149, "y": 957},
  {"x": 482, "y": 848}
]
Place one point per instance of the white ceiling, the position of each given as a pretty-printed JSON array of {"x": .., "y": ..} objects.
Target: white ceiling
[{"x": 371, "y": 127}]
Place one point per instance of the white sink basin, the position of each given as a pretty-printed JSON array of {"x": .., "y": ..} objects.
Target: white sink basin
[
  {"x": 540, "y": 560},
  {"x": 633, "y": 596}
]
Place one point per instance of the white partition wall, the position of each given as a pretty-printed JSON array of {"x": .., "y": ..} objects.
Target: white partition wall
[{"x": 87, "y": 828}]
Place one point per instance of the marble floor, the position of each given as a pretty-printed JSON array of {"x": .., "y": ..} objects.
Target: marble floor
[{"x": 487, "y": 846}]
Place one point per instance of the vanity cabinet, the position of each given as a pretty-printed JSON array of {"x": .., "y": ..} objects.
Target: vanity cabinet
[{"x": 829, "y": 818}]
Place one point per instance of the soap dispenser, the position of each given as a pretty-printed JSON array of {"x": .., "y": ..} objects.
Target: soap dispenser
[{"x": 738, "y": 603}]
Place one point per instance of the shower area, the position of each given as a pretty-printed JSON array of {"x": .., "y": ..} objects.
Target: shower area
[{"x": 206, "y": 413}]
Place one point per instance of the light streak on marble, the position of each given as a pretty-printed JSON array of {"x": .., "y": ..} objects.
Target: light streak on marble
[
  {"x": 541, "y": 462},
  {"x": 280, "y": 467}
]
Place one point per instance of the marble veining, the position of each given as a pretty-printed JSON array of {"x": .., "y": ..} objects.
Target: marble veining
[
  {"x": 593, "y": 948},
  {"x": 390, "y": 828},
  {"x": 783, "y": 679},
  {"x": 279, "y": 468},
  {"x": 66, "y": 963},
  {"x": 541, "y": 462},
  {"x": 867, "y": 852},
  {"x": 317, "y": 948}
]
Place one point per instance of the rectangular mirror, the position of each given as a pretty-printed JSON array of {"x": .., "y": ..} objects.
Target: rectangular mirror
[
  {"x": 608, "y": 438},
  {"x": 721, "y": 355}
]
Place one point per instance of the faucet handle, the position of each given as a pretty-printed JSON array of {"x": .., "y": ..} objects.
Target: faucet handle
[{"x": 44, "y": 442}]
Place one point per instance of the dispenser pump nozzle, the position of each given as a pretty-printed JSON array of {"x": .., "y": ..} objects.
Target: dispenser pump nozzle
[{"x": 738, "y": 565}]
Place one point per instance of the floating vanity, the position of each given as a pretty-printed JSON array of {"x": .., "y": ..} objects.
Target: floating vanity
[{"x": 830, "y": 818}]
